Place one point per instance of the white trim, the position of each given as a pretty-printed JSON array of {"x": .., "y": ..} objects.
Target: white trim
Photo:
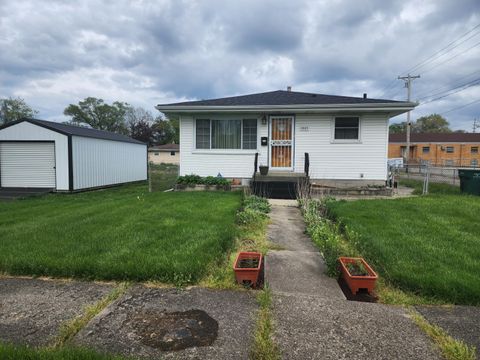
[
  {"x": 292, "y": 155},
  {"x": 345, "y": 141}
]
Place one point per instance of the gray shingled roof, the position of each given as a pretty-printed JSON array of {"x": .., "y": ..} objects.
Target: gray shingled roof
[
  {"x": 281, "y": 97},
  {"x": 74, "y": 130}
]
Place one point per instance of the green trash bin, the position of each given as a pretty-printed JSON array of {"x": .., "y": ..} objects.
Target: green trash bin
[{"x": 469, "y": 181}]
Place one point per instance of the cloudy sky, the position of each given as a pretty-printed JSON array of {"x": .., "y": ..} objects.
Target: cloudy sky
[{"x": 53, "y": 53}]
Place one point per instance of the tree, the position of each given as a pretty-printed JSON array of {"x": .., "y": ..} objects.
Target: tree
[
  {"x": 165, "y": 131},
  {"x": 433, "y": 123},
  {"x": 140, "y": 125},
  {"x": 99, "y": 115},
  {"x": 14, "y": 109},
  {"x": 398, "y": 128}
]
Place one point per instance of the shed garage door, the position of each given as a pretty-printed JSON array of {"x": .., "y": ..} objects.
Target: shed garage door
[{"x": 27, "y": 164}]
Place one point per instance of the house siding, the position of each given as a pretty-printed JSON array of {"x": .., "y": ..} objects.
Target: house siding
[
  {"x": 313, "y": 134},
  {"x": 342, "y": 161}
]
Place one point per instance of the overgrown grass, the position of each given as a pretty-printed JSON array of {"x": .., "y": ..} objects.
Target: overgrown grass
[
  {"x": 264, "y": 348},
  {"x": 450, "y": 348},
  {"x": 69, "y": 329},
  {"x": 163, "y": 176},
  {"x": 433, "y": 188},
  {"x": 121, "y": 233},
  {"x": 252, "y": 222},
  {"x": 21, "y": 352},
  {"x": 427, "y": 245}
]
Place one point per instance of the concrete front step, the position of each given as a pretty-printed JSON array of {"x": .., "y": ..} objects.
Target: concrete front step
[{"x": 300, "y": 272}]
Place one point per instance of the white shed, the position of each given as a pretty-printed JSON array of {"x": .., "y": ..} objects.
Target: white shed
[{"x": 44, "y": 154}]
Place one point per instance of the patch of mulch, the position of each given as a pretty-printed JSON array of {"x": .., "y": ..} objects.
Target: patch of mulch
[
  {"x": 362, "y": 295},
  {"x": 175, "y": 330}
]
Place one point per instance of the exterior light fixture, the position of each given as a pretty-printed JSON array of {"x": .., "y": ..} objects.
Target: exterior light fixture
[{"x": 264, "y": 119}]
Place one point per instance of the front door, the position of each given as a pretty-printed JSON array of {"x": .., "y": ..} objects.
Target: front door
[{"x": 281, "y": 142}]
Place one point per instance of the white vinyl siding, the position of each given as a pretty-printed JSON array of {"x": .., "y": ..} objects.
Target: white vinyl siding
[
  {"x": 25, "y": 131},
  {"x": 329, "y": 159},
  {"x": 98, "y": 162},
  {"x": 27, "y": 164},
  {"x": 338, "y": 160},
  {"x": 232, "y": 163}
]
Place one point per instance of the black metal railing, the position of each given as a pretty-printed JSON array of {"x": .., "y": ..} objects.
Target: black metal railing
[
  {"x": 255, "y": 165},
  {"x": 306, "y": 166}
]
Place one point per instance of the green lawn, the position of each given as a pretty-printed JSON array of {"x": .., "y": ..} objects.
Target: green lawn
[
  {"x": 121, "y": 233},
  {"x": 163, "y": 176},
  {"x": 428, "y": 245}
]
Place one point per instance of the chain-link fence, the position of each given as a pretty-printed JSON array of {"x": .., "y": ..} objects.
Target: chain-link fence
[
  {"x": 162, "y": 176},
  {"x": 426, "y": 174}
]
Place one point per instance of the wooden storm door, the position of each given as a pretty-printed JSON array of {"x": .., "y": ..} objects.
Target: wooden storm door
[{"x": 281, "y": 142}]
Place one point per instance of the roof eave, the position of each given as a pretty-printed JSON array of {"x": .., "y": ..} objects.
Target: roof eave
[{"x": 396, "y": 108}]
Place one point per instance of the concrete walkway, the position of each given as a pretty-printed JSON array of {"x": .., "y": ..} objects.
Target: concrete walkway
[{"x": 312, "y": 317}]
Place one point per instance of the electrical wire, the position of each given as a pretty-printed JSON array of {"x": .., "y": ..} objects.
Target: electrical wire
[{"x": 460, "y": 107}]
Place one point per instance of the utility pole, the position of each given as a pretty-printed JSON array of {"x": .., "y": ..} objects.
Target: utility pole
[{"x": 408, "y": 84}]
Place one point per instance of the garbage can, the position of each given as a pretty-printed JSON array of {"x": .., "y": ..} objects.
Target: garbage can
[{"x": 469, "y": 181}]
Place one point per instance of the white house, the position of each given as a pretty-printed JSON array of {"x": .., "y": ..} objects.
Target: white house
[
  {"x": 43, "y": 154},
  {"x": 346, "y": 138}
]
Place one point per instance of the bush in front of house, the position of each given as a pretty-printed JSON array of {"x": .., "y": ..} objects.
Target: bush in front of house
[
  {"x": 254, "y": 208},
  {"x": 192, "y": 180}
]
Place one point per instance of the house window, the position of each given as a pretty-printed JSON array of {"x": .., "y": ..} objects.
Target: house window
[
  {"x": 474, "y": 150},
  {"x": 474, "y": 162},
  {"x": 156, "y": 154},
  {"x": 346, "y": 128},
  {"x": 226, "y": 134},
  {"x": 203, "y": 134},
  {"x": 450, "y": 149},
  {"x": 250, "y": 133},
  {"x": 426, "y": 149},
  {"x": 172, "y": 153}
]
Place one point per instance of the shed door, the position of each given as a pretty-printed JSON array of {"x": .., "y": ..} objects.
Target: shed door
[{"x": 27, "y": 164}]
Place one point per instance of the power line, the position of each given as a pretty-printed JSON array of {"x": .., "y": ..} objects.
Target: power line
[
  {"x": 442, "y": 49},
  {"x": 460, "y": 107},
  {"x": 453, "y": 57},
  {"x": 423, "y": 96},
  {"x": 461, "y": 87}
]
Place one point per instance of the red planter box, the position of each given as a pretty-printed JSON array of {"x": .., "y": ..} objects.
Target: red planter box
[
  {"x": 247, "y": 275},
  {"x": 356, "y": 282}
]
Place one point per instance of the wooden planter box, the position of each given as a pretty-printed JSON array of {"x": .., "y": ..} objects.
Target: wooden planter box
[
  {"x": 247, "y": 274},
  {"x": 357, "y": 282}
]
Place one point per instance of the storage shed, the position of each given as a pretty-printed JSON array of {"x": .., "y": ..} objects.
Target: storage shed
[{"x": 43, "y": 154}]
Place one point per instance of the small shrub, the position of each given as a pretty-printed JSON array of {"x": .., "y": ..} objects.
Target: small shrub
[
  {"x": 192, "y": 180},
  {"x": 249, "y": 216},
  {"x": 257, "y": 203}
]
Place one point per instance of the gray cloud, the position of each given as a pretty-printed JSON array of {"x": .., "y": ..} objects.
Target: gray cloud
[{"x": 147, "y": 52}]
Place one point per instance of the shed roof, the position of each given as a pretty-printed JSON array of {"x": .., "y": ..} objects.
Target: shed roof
[
  {"x": 74, "y": 130},
  {"x": 435, "y": 137}
]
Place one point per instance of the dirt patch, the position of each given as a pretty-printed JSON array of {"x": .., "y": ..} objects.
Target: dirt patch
[{"x": 175, "y": 330}]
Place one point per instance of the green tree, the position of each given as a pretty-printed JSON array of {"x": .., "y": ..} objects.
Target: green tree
[
  {"x": 433, "y": 123},
  {"x": 99, "y": 115},
  {"x": 398, "y": 128},
  {"x": 140, "y": 125},
  {"x": 14, "y": 109}
]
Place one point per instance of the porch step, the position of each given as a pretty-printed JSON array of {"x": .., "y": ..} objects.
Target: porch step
[{"x": 275, "y": 189}]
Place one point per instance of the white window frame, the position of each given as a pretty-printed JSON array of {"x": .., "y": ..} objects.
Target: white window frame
[
  {"x": 345, "y": 141},
  {"x": 210, "y": 150}
]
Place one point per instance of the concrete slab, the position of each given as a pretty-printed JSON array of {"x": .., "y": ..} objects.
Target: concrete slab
[
  {"x": 461, "y": 322},
  {"x": 116, "y": 328},
  {"x": 287, "y": 229},
  {"x": 310, "y": 327},
  {"x": 300, "y": 272},
  {"x": 32, "y": 310}
]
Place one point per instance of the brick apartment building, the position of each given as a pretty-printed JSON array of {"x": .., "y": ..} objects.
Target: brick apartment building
[{"x": 438, "y": 149}]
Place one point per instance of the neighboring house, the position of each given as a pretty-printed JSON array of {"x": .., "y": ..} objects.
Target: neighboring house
[
  {"x": 346, "y": 137},
  {"x": 164, "y": 154},
  {"x": 43, "y": 154},
  {"x": 438, "y": 149}
]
